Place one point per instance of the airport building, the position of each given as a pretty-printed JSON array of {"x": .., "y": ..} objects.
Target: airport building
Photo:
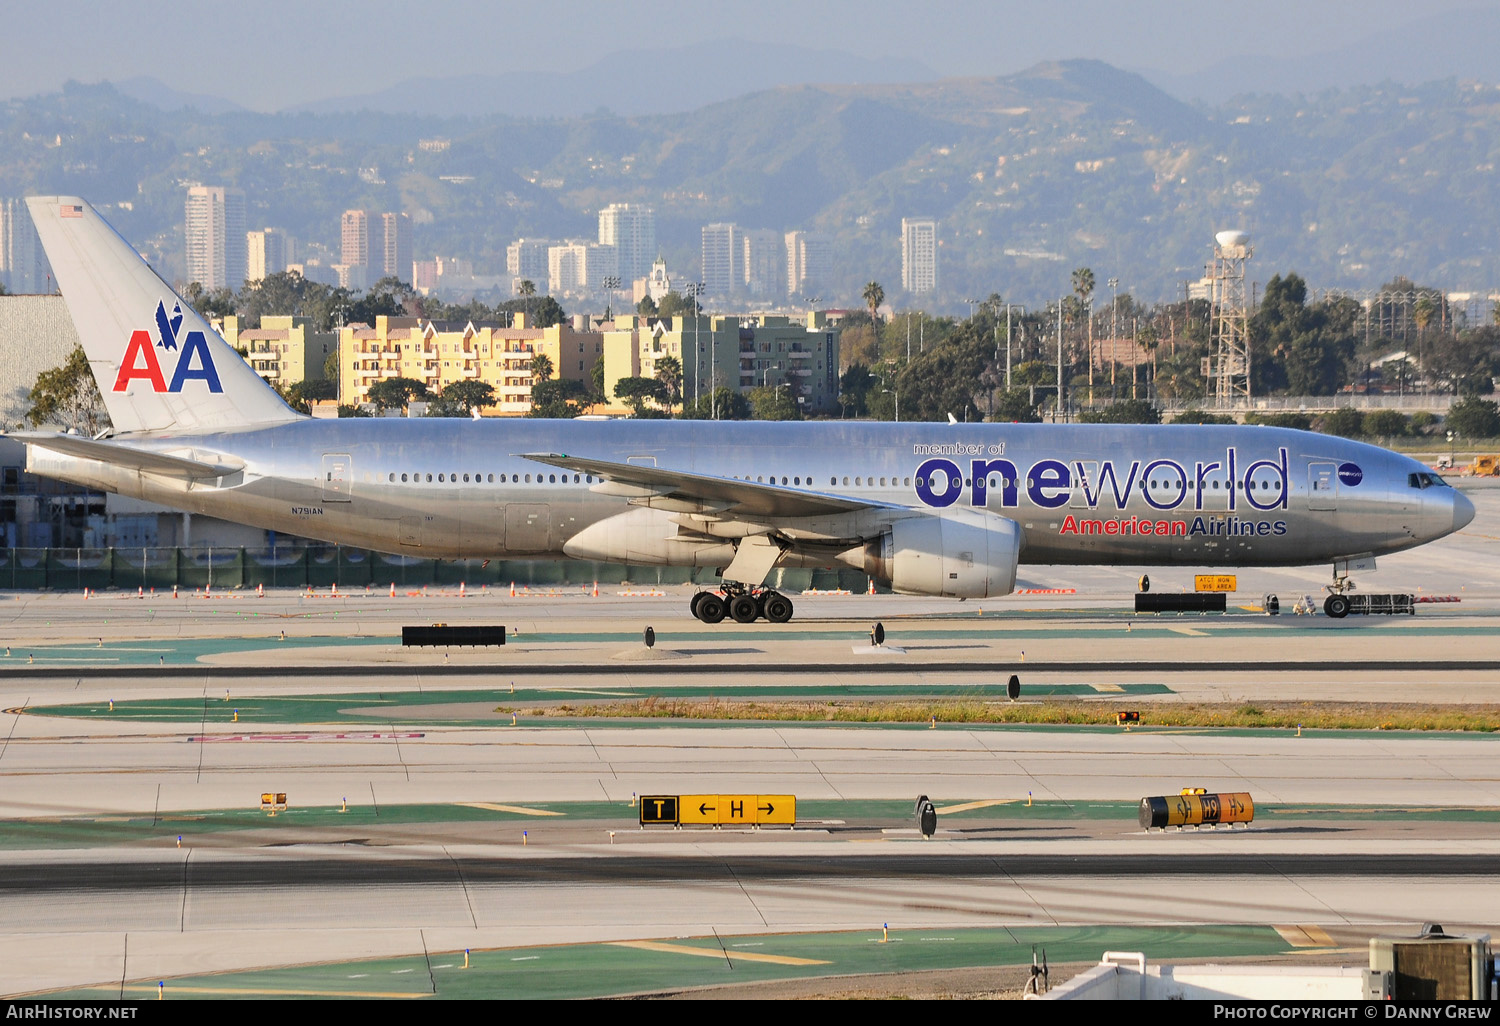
[
  {"x": 439, "y": 353},
  {"x": 919, "y": 255},
  {"x": 215, "y": 236},
  {"x": 283, "y": 350},
  {"x": 761, "y": 351}
]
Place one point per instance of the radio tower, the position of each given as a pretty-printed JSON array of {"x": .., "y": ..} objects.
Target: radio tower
[{"x": 1231, "y": 368}]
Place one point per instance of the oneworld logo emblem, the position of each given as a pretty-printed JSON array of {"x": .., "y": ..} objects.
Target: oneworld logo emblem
[
  {"x": 1350, "y": 474},
  {"x": 190, "y": 355}
]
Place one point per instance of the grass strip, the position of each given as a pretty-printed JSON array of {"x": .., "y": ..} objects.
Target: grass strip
[{"x": 1308, "y": 715}]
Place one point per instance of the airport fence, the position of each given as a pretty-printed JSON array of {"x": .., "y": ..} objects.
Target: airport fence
[{"x": 301, "y": 567}]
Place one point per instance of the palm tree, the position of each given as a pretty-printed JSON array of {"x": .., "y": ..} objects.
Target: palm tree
[
  {"x": 1423, "y": 314},
  {"x": 874, "y": 296},
  {"x": 1083, "y": 288},
  {"x": 669, "y": 373},
  {"x": 527, "y": 289}
]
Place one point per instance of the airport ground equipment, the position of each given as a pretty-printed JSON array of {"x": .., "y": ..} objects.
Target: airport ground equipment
[
  {"x": 1272, "y": 605},
  {"x": 1187, "y": 602},
  {"x": 1433, "y": 966},
  {"x": 718, "y": 810},
  {"x": 1182, "y": 810},
  {"x": 443, "y": 634},
  {"x": 926, "y": 814},
  {"x": 1357, "y": 604}
]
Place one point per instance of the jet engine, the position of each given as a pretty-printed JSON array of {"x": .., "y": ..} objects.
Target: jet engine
[{"x": 955, "y": 554}]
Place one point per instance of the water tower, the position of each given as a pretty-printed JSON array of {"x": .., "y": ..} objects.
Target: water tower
[{"x": 1231, "y": 366}]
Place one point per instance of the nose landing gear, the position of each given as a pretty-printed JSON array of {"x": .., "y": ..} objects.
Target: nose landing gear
[{"x": 741, "y": 604}]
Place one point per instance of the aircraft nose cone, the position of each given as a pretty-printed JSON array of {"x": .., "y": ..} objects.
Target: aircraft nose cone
[{"x": 1463, "y": 511}]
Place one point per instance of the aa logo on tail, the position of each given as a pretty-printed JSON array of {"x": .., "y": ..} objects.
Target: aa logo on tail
[{"x": 192, "y": 357}]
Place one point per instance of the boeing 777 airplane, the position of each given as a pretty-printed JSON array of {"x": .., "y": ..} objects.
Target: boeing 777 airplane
[{"x": 926, "y": 509}]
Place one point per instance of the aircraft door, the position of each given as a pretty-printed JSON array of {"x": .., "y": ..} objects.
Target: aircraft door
[
  {"x": 338, "y": 477},
  {"x": 1322, "y": 486},
  {"x": 528, "y": 527}
]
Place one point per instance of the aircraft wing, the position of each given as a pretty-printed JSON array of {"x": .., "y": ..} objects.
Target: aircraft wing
[
  {"x": 120, "y": 455},
  {"x": 728, "y": 495}
]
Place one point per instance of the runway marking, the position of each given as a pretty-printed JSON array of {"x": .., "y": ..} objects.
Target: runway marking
[
  {"x": 748, "y": 956},
  {"x": 1305, "y": 936},
  {"x": 1190, "y": 631},
  {"x": 592, "y": 691},
  {"x": 1109, "y": 687},
  {"x": 492, "y": 807},
  {"x": 982, "y": 804}
]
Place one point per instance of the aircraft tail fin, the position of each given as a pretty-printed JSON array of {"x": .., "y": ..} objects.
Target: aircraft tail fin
[{"x": 158, "y": 363}]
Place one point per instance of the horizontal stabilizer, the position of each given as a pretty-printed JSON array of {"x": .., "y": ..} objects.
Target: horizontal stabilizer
[{"x": 115, "y": 454}]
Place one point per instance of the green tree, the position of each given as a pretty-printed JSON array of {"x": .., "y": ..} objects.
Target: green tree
[
  {"x": 774, "y": 403},
  {"x": 669, "y": 373},
  {"x": 526, "y": 290},
  {"x": 540, "y": 313},
  {"x": 674, "y": 304},
  {"x": 558, "y": 398},
  {"x": 1015, "y": 406},
  {"x": 1125, "y": 411},
  {"x": 1300, "y": 421},
  {"x": 854, "y": 389},
  {"x": 300, "y": 395},
  {"x": 637, "y": 392},
  {"x": 874, "y": 295},
  {"x": 1307, "y": 349},
  {"x": 731, "y": 404},
  {"x": 209, "y": 302},
  {"x": 1473, "y": 417},
  {"x": 68, "y": 396},
  {"x": 646, "y": 307},
  {"x": 345, "y": 410},
  {"x": 1345, "y": 422},
  {"x": 397, "y": 393},
  {"x": 388, "y": 297},
  {"x": 1386, "y": 424},
  {"x": 1202, "y": 417},
  {"x": 596, "y": 377},
  {"x": 468, "y": 395}
]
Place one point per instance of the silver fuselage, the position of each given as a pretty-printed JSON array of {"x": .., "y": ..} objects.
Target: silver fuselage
[{"x": 1125, "y": 494}]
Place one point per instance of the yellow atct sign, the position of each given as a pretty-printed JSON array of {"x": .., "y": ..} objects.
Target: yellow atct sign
[
  {"x": 1215, "y": 582},
  {"x": 720, "y": 809}
]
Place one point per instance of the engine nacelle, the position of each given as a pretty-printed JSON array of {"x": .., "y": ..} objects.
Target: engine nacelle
[{"x": 955, "y": 554}]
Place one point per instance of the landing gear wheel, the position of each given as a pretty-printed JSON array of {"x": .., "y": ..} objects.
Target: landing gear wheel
[
  {"x": 710, "y": 608},
  {"x": 697, "y": 602},
  {"x": 1336, "y": 606},
  {"x": 778, "y": 608},
  {"x": 743, "y": 609}
]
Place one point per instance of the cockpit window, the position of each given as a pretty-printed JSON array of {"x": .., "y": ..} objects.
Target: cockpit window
[{"x": 1426, "y": 481}]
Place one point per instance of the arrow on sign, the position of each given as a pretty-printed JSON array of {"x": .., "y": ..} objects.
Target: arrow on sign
[
  {"x": 705, "y": 808},
  {"x": 767, "y": 808}
]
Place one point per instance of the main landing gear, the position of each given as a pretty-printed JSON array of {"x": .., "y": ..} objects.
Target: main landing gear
[
  {"x": 741, "y": 604},
  {"x": 1336, "y": 605}
]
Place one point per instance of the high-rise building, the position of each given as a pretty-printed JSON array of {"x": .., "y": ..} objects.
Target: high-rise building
[
  {"x": 722, "y": 259},
  {"x": 578, "y": 266},
  {"x": 809, "y": 263},
  {"x": 215, "y": 236},
  {"x": 23, "y": 262},
  {"x": 354, "y": 249},
  {"x": 527, "y": 258},
  {"x": 631, "y": 229},
  {"x": 395, "y": 259},
  {"x": 919, "y": 254},
  {"x": 761, "y": 254},
  {"x": 266, "y": 253}
]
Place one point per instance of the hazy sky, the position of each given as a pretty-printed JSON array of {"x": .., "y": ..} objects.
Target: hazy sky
[{"x": 267, "y": 54}]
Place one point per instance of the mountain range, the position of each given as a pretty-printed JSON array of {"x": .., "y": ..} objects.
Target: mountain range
[{"x": 1065, "y": 164}]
